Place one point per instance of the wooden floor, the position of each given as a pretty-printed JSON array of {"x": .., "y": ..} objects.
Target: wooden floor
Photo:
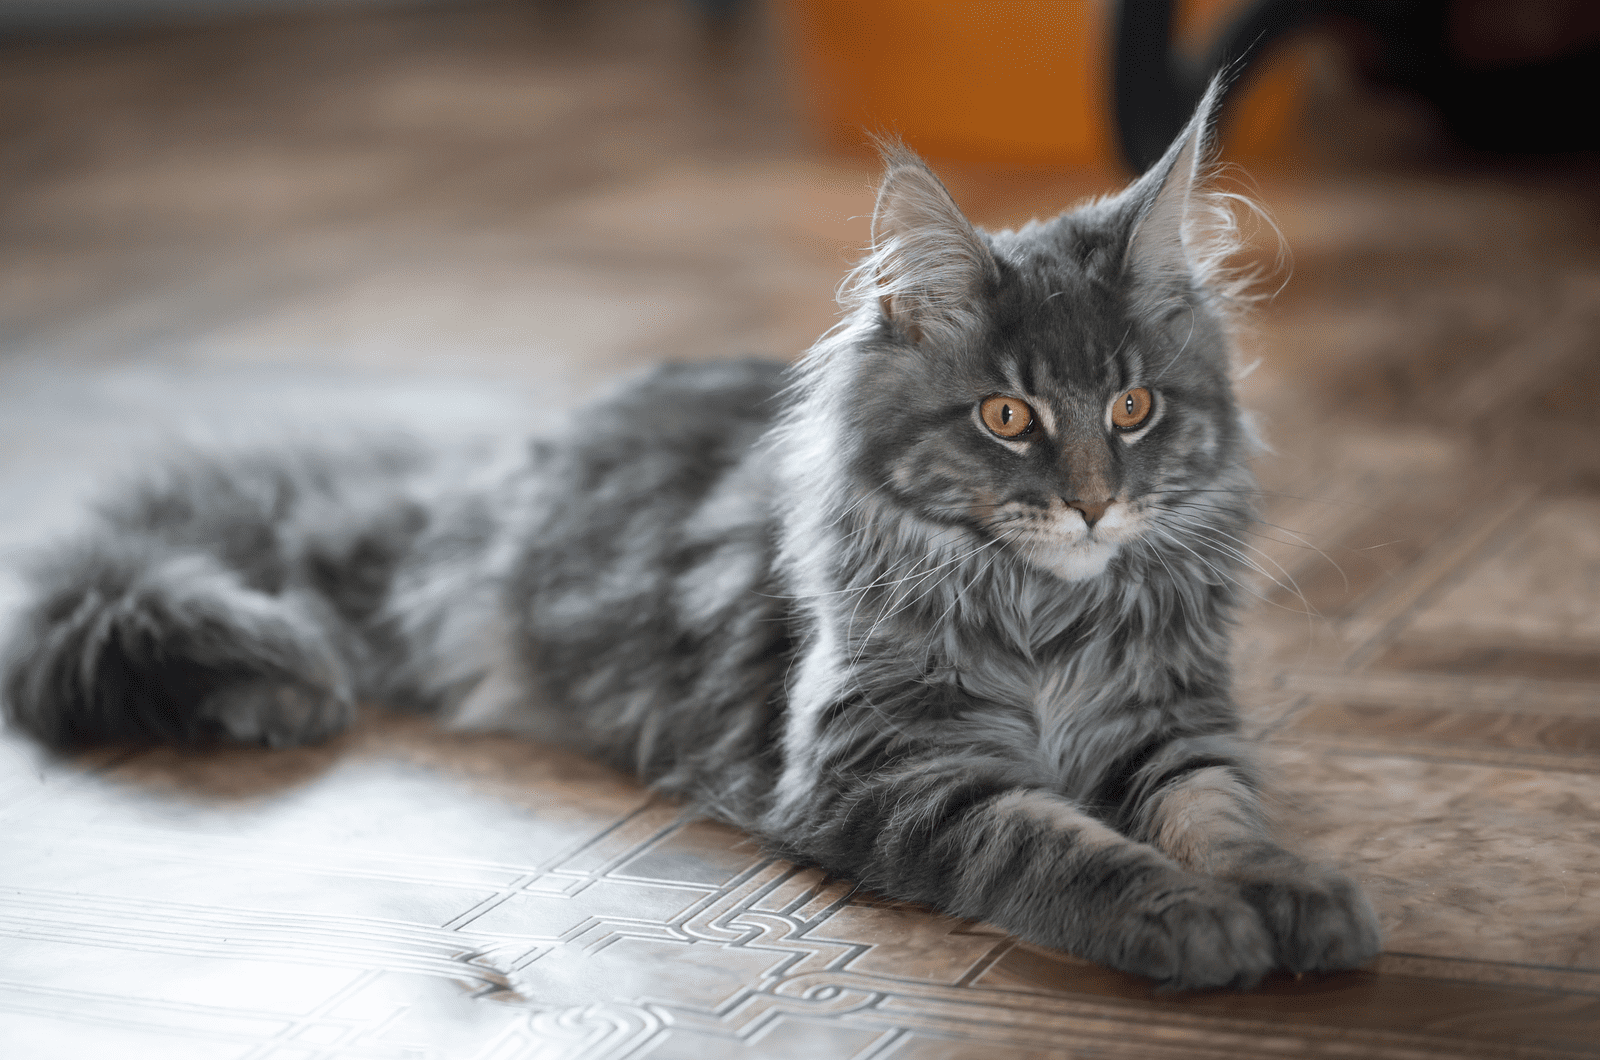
[{"x": 460, "y": 218}]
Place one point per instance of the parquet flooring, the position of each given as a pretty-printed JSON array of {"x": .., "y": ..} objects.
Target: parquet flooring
[{"x": 457, "y": 216}]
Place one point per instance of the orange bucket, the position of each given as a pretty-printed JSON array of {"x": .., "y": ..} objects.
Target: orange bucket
[{"x": 1020, "y": 82}]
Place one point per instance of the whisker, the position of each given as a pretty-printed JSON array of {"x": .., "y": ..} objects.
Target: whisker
[
  {"x": 1257, "y": 491},
  {"x": 888, "y": 614},
  {"x": 1201, "y": 528},
  {"x": 1300, "y": 540},
  {"x": 1185, "y": 345},
  {"x": 1112, "y": 360},
  {"x": 1153, "y": 551},
  {"x": 956, "y": 598},
  {"x": 864, "y": 498},
  {"x": 1237, "y": 583},
  {"x": 882, "y": 584},
  {"x": 919, "y": 578}
]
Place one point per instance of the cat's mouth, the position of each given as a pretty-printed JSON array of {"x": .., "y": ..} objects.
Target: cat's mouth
[
  {"x": 1072, "y": 561},
  {"x": 1066, "y": 542}
]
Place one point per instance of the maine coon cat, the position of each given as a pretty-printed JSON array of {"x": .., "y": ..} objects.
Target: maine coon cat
[{"x": 944, "y": 610}]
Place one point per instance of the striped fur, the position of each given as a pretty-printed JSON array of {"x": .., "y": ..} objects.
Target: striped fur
[{"x": 825, "y": 604}]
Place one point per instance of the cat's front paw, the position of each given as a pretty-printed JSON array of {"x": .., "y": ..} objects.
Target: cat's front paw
[
  {"x": 1318, "y": 917},
  {"x": 1194, "y": 933}
]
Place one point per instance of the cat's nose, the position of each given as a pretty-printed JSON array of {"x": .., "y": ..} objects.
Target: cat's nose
[{"x": 1092, "y": 510}]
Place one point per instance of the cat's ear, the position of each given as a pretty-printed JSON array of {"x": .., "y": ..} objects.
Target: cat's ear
[
  {"x": 928, "y": 264},
  {"x": 1174, "y": 246}
]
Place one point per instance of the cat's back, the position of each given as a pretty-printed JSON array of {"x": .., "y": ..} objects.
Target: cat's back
[
  {"x": 678, "y": 424},
  {"x": 644, "y": 593},
  {"x": 655, "y": 447},
  {"x": 626, "y": 472}
]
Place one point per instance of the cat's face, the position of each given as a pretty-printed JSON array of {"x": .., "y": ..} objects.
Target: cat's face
[
  {"x": 1063, "y": 390},
  {"x": 1061, "y": 426}
]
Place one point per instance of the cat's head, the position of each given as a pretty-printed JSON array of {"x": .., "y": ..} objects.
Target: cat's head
[{"x": 1062, "y": 388}]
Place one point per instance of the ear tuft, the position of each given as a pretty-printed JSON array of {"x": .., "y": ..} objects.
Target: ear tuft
[
  {"x": 928, "y": 265},
  {"x": 1186, "y": 230}
]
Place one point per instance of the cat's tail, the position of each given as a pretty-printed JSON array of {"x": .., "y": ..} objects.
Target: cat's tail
[{"x": 129, "y": 638}]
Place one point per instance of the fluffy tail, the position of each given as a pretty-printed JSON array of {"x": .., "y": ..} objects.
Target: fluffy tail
[
  {"x": 127, "y": 640},
  {"x": 229, "y": 598}
]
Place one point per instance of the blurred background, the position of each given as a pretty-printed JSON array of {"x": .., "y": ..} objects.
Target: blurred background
[
  {"x": 234, "y": 216},
  {"x": 217, "y": 212}
]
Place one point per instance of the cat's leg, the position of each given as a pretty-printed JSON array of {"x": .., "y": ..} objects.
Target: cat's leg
[
  {"x": 956, "y": 833},
  {"x": 1198, "y": 800},
  {"x": 129, "y": 639}
]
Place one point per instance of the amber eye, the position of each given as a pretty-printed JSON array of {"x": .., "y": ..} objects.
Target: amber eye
[
  {"x": 1131, "y": 409},
  {"x": 1006, "y": 416}
]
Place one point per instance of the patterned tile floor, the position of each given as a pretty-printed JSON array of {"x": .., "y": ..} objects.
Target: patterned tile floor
[{"x": 453, "y": 218}]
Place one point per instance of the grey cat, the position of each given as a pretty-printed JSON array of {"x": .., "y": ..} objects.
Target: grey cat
[{"x": 944, "y": 610}]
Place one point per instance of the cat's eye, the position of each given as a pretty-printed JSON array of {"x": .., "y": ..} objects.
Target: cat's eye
[
  {"x": 1006, "y": 416},
  {"x": 1131, "y": 409}
]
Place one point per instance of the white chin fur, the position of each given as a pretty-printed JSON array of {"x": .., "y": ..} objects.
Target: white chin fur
[{"x": 1073, "y": 562}]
